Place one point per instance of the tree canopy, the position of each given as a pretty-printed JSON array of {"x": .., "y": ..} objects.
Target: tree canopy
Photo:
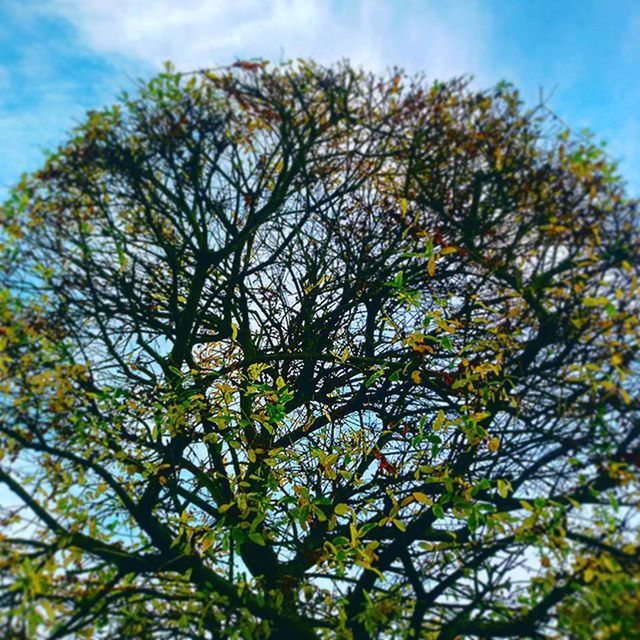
[{"x": 305, "y": 352}]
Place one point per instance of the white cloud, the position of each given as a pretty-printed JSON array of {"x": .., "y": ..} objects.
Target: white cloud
[{"x": 443, "y": 40}]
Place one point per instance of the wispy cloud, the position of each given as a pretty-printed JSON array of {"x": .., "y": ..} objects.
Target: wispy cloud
[
  {"x": 69, "y": 55},
  {"x": 48, "y": 80},
  {"x": 65, "y": 56},
  {"x": 443, "y": 39}
]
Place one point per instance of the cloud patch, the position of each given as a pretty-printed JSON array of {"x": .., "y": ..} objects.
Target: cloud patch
[{"x": 445, "y": 40}]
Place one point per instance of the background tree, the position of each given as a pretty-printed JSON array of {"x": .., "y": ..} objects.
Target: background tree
[{"x": 301, "y": 352}]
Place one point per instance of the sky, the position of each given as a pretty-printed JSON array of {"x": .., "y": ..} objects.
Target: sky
[{"x": 59, "y": 58}]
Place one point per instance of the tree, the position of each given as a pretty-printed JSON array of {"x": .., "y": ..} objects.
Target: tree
[{"x": 303, "y": 352}]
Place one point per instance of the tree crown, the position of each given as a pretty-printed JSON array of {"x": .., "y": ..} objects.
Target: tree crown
[{"x": 302, "y": 351}]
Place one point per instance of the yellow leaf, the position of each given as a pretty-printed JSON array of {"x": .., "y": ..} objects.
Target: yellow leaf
[
  {"x": 403, "y": 205},
  {"x": 366, "y": 565},
  {"x": 234, "y": 331},
  {"x": 616, "y": 359},
  {"x": 256, "y": 369},
  {"x": 341, "y": 509},
  {"x": 626, "y": 398},
  {"x": 416, "y": 377},
  {"x": 252, "y": 455},
  {"x": 431, "y": 265},
  {"x": 206, "y": 544},
  {"x": 595, "y": 302},
  {"x": 399, "y": 525},
  {"x": 588, "y": 575},
  {"x": 280, "y": 382},
  {"x": 439, "y": 421},
  {"x": 503, "y": 488},
  {"x": 422, "y": 348},
  {"x": 494, "y": 444},
  {"x": 422, "y": 498}
]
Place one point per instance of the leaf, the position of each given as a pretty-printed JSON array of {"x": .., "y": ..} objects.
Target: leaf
[
  {"x": 616, "y": 359},
  {"x": 341, "y": 509},
  {"x": 422, "y": 498},
  {"x": 431, "y": 266},
  {"x": 595, "y": 302},
  {"x": 416, "y": 377},
  {"x": 472, "y": 521},
  {"x": 588, "y": 575},
  {"x": 257, "y": 538},
  {"x": 355, "y": 536},
  {"x": 504, "y": 487},
  {"x": 387, "y": 467},
  {"x": 494, "y": 444},
  {"x": 439, "y": 421},
  {"x": 255, "y": 370},
  {"x": 373, "y": 377},
  {"x": 399, "y": 525},
  {"x": 207, "y": 542}
]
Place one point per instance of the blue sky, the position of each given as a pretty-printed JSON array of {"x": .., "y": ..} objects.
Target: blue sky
[{"x": 59, "y": 58}]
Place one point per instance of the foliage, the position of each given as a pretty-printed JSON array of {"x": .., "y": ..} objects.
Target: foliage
[{"x": 301, "y": 352}]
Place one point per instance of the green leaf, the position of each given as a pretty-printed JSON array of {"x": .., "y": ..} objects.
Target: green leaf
[
  {"x": 438, "y": 511},
  {"x": 257, "y": 538}
]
